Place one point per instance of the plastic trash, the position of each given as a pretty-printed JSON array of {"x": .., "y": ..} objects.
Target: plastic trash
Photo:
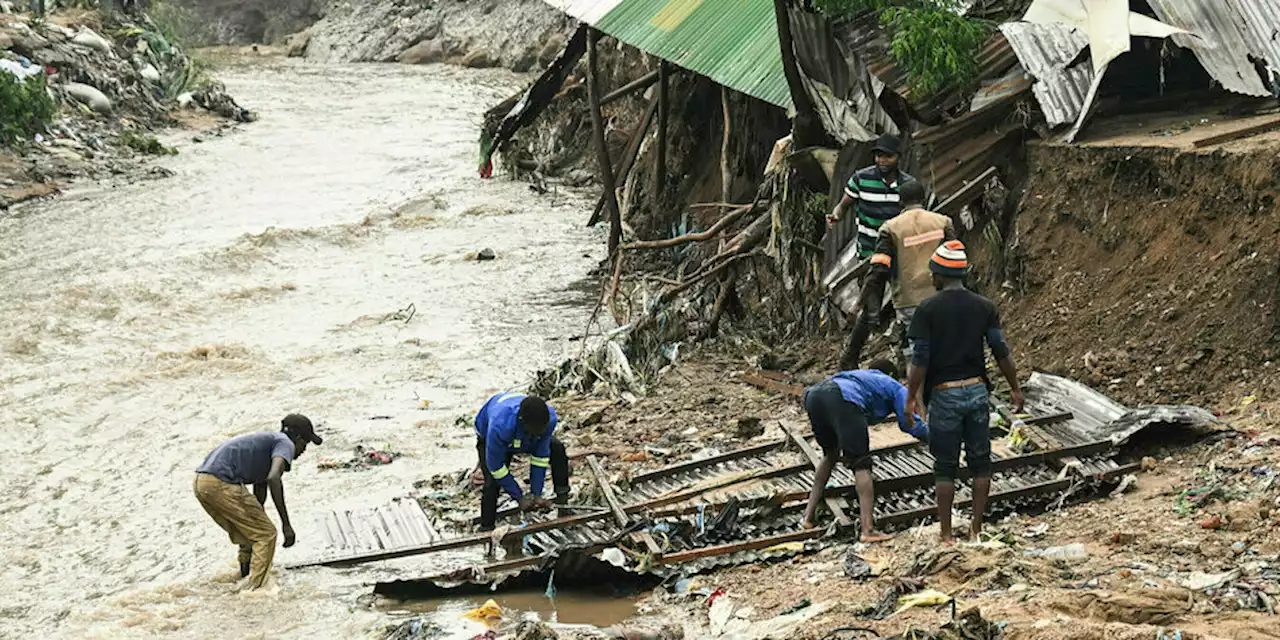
[
  {"x": 88, "y": 38},
  {"x": 1075, "y": 551},
  {"x": 89, "y": 96},
  {"x": 487, "y": 611},
  {"x": 926, "y": 598},
  {"x": 20, "y": 70}
]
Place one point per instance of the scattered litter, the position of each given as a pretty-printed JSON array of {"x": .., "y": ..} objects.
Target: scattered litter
[
  {"x": 1074, "y": 551},
  {"x": 926, "y": 598},
  {"x": 1037, "y": 531},
  {"x": 1199, "y": 581},
  {"x": 793, "y": 547},
  {"x": 362, "y": 458},
  {"x": 1212, "y": 522},
  {"x": 614, "y": 556},
  {"x": 1196, "y": 498},
  {"x": 855, "y": 567},
  {"x": 803, "y": 604},
  {"x": 1128, "y": 482}
]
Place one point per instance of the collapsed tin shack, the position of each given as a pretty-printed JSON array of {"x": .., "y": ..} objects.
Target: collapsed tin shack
[{"x": 739, "y": 506}]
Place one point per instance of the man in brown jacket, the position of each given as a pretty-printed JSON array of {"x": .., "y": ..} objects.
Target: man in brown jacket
[{"x": 901, "y": 260}]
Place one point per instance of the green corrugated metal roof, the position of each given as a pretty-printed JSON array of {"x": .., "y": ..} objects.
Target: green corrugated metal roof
[{"x": 734, "y": 42}]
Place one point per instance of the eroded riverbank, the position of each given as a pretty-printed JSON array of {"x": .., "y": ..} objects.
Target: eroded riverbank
[{"x": 148, "y": 322}]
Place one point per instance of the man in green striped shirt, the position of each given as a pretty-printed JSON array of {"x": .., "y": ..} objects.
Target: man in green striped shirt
[{"x": 874, "y": 190}]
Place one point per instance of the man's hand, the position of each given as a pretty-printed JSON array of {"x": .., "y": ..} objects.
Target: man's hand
[
  {"x": 913, "y": 408},
  {"x": 526, "y": 502},
  {"x": 833, "y": 217},
  {"x": 1018, "y": 402},
  {"x": 289, "y": 537}
]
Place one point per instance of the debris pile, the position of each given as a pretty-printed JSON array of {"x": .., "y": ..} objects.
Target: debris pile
[{"x": 116, "y": 80}]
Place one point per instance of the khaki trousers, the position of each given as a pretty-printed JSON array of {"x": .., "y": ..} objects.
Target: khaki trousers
[{"x": 235, "y": 509}]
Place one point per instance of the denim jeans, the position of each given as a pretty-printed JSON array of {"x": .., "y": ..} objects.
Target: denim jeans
[{"x": 960, "y": 416}]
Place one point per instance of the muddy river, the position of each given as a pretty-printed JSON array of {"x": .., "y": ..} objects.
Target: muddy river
[{"x": 145, "y": 323}]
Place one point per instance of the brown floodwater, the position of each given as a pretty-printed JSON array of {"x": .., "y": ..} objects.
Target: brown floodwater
[
  {"x": 144, "y": 323},
  {"x": 567, "y": 608}
]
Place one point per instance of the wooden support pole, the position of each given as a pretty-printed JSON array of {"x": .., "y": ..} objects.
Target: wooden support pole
[
  {"x": 628, "y": 158},
  {"x": 620, "y": 514},
  {"x": 726, "y": 179},
  {"x": 660, "y": 166},
  {"x": 639, "y": 84},
  {"x": 602, "y": 147},
  {"x": 833, "y": 503}
]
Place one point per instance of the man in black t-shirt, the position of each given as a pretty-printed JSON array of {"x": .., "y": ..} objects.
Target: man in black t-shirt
[{"x": 949, "y": 365}]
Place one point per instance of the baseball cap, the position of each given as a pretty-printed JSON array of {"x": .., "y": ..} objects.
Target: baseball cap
[{"x": 299, "y": 424}]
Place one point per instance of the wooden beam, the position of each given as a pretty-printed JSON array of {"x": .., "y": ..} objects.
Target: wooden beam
[
  {"x": 965, "y": 194},
  {"x": 755, "y": 379},
  {"x": 759, "y": 543},
  {"x": 833, "y": 503},
  {"x": 660, "y": 163},
  {"x": 639, "y": 84},
  {"x": 1243, "y": 132},
  {"x": 628, "y": 158},
  {"x": 602, "y": 147},
  {"x": 620, "y": 514}
]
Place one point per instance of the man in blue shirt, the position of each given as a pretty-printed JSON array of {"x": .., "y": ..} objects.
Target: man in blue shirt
[
  {"x": 511, "y": 423},
  {"x": 841, "y": 410}
]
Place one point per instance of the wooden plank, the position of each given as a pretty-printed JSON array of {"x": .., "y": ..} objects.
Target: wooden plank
[
  {"x": 639, "y": 84},
  {"x": 619, "y": 514},
  {"x": 1243, "y": 132},
  {"x": 965, "y": 194},
  {"x": 833, "y": 503},
  {"x": 757, "y": 380},
  {"x": 759, "y": 543},
  {"x": 628, "y": 158}
]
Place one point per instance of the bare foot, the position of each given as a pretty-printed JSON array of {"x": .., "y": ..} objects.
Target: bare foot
[
  {"x": 870, "y": 537},
  {"x": 948, "y": 541}
]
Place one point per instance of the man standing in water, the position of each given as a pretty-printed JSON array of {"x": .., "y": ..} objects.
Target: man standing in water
[
  {"x": 259, "y": 459},
  {"x": 841, "y": 410},
  {"x": 948, "y": 363},
  {"x": 875, "y": 192},
  {"x": 511, "y": 423}
]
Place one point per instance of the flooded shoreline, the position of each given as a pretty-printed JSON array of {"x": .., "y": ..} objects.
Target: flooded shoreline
[{"x": 148, "y": 322}]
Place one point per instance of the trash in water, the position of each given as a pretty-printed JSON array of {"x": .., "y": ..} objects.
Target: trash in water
[
  {"x": 487, "y": 611},
  {"x": 362, "y": 458}
]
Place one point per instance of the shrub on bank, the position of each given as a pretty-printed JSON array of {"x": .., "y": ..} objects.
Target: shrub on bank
[{"x": 26, "y": 107}]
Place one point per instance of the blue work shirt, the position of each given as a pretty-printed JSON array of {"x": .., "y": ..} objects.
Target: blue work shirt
[
  {"x": 499, "y": 426},
  {"x": 880, "y": 396}
]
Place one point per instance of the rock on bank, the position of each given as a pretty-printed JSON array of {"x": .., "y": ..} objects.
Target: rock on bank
[{"x": 516, "y": 34}]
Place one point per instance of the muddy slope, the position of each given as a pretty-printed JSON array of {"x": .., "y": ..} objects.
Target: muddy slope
[
  {"x": 507, "y": 33},
  {"x": 1148, "y": 272}
]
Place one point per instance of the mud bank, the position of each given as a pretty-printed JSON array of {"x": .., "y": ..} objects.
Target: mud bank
[
  {"x": 1152, "y": 273},
  {"x": 516, "y": 34}
]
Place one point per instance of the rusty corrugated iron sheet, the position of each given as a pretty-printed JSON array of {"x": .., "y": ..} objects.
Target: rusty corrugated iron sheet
[
  {"x": 733, "y": 42},
  {"x": 1227, "y": 32},
  {"x": 1046, "y": 51}
]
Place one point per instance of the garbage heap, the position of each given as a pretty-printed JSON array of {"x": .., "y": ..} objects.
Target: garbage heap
[{"x": 114, "y": 79}]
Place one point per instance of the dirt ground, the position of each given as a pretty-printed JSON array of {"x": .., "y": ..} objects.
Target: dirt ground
[
  {"x": 1149, "y": 273},
  {"x": 1141, "y": 548}
]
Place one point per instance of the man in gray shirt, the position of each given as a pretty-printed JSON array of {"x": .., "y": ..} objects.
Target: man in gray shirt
[{"x": 259, "y": 459}]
